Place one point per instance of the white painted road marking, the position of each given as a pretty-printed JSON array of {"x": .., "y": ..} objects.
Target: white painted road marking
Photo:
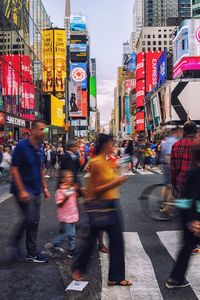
[
  {"x": 172, "y": 241},
  {"x": 138, "y": 269},
  {"x": 5, "y": 197}
]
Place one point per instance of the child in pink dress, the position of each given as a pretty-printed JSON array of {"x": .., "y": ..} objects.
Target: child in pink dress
[{"x": 67, "y": 212}]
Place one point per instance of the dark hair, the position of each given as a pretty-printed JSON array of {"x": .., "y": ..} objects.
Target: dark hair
[
  {"x": 71, "y": 144},
  {"x": 189, "y": 128},
  {"x": 35, "y": 123},
  {"x": 101, "y": 141}
]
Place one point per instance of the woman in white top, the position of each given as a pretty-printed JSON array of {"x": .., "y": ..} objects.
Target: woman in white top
[{"x": 6, "y": 161}]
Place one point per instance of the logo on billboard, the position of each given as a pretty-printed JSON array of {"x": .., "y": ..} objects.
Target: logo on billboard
[
  {"x": 78, "y": 74},
  {"x": 198, "y": 34}
]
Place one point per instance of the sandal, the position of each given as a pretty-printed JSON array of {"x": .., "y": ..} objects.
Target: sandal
[
  {"x": 120, "y": 283},
  {"x": 77, "y": 275}
]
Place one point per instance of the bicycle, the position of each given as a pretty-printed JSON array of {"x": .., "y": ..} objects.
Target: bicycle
[{"x": 158, "y": 202}]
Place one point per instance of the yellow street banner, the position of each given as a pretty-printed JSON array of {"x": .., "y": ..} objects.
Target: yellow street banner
[
  {"x": 57, "y": 115},
  {"x": 47, "y": 61},
  {"x": 60, "y": 59}
]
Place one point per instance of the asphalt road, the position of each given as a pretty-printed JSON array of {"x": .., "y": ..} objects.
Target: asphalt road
[{"x": 28, "y": 281}]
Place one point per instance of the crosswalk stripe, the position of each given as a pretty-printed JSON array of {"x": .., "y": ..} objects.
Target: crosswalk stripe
[
  {"x": 172, "y": 241},
  {"x": 5, "y": 197},
  {"x": 144, "y": 172},
  {"x": 138, "y": 269}
]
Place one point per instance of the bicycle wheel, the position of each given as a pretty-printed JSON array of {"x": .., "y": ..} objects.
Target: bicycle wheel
[{"x": 157, "y": 202}]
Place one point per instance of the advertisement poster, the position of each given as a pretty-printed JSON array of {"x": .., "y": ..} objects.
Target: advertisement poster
[
  {"x": 26, "y": 68},
  {"x": 11, "y": 80},
  {"x": 140, "y": 122},
  {"x": 57, "y": 114},
  {"x": 60, "y": 61},
  {"x": 151, "y": 69},
  {"x": 75, "y": 99},
  {"x": 140, "y": 66},
  {"x": 140, "y": 93},
  {"x": 27, "y": 100},
  {"x": 78, "y": 73},
  {"x": 78, "y": 39},
  {"x": 128, "y": 115},
  {"x": 77, "y": 23},
  {"x": 47, "y": 60},
  {"x": 161, "y": 69},
  {"x": 130, "y": 84},
  {"x": 129, "y": 62}
]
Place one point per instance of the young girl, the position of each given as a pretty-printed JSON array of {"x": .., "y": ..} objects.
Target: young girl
[{"x": 67, "y": 212}]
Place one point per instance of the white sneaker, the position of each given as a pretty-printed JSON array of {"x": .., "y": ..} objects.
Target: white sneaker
[{"x": 46, "y": 176}]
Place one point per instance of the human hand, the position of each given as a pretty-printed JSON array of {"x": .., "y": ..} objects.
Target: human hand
[
  {"x": 46, "y": 193},
  {"x": 195, "y": 228},
  {"x": 24, "y": 196},
  {"x": 122, "y": 179}
]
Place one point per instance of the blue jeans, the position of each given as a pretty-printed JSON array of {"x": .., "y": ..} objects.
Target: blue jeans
[{"x": 68, "y": 232}]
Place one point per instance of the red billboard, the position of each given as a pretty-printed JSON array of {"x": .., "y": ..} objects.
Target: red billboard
[
  {"x": 27, "y": 101},
  {"x": 151, "y": 69},
  {"x": 140, "y": 66},
  {"x": 130, "y": 84},
  {"x": 11, "y": 80},
  {"x": 26, "y": 68},
  {"x": 140, "y": 123},
  {"x": 140, "y": 93}
]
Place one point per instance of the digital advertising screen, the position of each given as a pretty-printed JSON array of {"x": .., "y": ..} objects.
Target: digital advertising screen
[
  {"x": 78, "y": 74},
  {"x": 151, "y": 69},
  {"x": 140, "y": 92},
  {"x": 140, "y": 121},
  {"x": 77, "y": 23},
  {"x": 140, "y": 66}
]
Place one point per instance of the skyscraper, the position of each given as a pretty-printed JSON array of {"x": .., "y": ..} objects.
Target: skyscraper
[
  {"x": 196, "y": 8},
  {"x": 156, "y": 12}
]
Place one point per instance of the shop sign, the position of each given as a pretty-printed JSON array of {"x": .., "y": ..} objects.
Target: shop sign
[{"x": 15, "y": 121}]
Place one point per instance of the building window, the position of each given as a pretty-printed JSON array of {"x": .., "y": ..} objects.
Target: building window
[
  {"x": 154, "y": 48},
  {"x": 143, "y": 49},
  {"x": 143, "y": 43},
  {"x": 165, "y": 36},
  {"x": 160, "y": 49},
  {"x": 159, "y": 36},
  {"x": 148, "y": 36},
  {"x": 149, "y": 43},
  {"x": 154, "y": 43},
  {"x": 154, "y": 36},
  {"x": 165, "y": 42},
  {"x": 159, "y": 43},
  {"x": 149, "y": 49}
]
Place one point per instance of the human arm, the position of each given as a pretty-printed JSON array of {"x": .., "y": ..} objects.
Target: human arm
[
  {"x": 45, "y": 186},
  {"x": 23, "y": 195}
]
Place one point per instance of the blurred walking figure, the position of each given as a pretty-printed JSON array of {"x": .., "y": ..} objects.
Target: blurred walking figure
[
  {"x": 185, "y": 172},
  {"x": 129, "y": 151},
  {"x": 27, "y": 185},
  {"x": 6, "y": 161},
  {"x": 67, "y": 213},
  {"x": 104, "y": 214}
]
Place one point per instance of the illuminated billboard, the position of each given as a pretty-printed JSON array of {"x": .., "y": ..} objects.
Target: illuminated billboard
[
  {"x": 48, "y": 61},
  {"x": 78, "y": 74},
  {"x": 60, "y": 61},
  {"x": 161, "y": 69},
  {"x": 57, "y": 114},
  {"x": 130, "y": 84},
  {"x": 151, "y": 69},
  {"x": 186, "y": 44},
  {"x": 11, "y": 80},
  {"x": 78, "y": 39},
  {"x": 140, "y": 121},
  {"x": 140, "y": 67},
  {"x": 77, "y": 23},
  {"x": 77, "y": 100},
  {"x": 93, "y": 86},
  {"x": 140, "y": 92},
  {"x": 127, "y": 114}
]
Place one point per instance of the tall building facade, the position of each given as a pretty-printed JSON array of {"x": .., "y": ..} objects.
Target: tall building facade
[
  {"x": 195, "y": 10},
  {"x": 21, "y": 98},
  {"x": 184, "y": 9}
]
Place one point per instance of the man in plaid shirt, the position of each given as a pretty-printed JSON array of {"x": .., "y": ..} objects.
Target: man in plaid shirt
[{"x": 182, "y": 158}]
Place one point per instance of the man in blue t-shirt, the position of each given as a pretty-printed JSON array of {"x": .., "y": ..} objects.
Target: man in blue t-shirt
[{"x": 28, "y": 183}]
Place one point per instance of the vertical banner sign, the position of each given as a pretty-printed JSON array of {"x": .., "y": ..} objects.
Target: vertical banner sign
[
  {"x": 60, "y": 62},
  {"x": 151, "y": 69},
  {"x": 140, "y": 93},
  {"x": 140, "y": 74},
  {"x": 75, "y": 99},
  {"x": 11, "y": 80},
  {"x": 47, "y": 61},
  {"x": 161, "y": 69},
  {"x": 140, "y": 124},
  {"x": 128, "y": 115}
]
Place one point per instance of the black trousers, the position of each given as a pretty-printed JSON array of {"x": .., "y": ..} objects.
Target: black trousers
[
  {"x": 28, "y": 224},
  {"x": 189, "y": 243},
  {"x": 116, "y": 245}
]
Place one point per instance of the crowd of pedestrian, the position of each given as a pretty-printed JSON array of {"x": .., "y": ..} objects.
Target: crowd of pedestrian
[{"x": 32, "y": 161}]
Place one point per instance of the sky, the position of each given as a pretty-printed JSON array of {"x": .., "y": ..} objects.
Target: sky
[{"x": 110, "y": 24}]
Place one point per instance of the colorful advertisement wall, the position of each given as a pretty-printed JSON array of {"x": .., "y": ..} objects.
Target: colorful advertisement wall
[
  {"x": 60, "y": 62},
  {"x": 151, "y": 69}
]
